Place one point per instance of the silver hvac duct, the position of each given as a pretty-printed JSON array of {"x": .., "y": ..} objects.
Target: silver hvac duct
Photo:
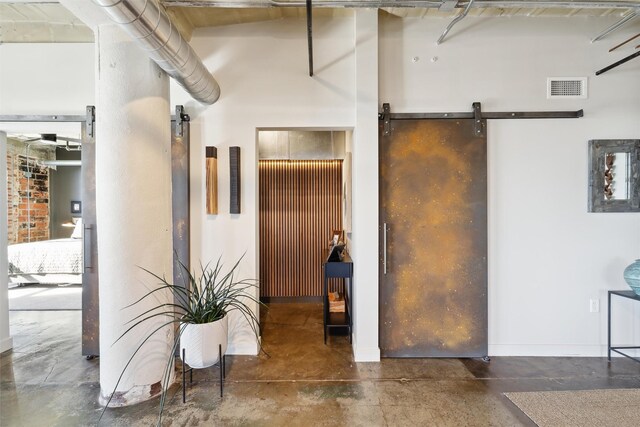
[{"x": 147, "y": 22}]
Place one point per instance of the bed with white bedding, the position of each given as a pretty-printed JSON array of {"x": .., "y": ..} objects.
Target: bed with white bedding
[{"x": 49, "y": 261}]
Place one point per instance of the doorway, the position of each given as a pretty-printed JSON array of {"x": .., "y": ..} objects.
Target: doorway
[
  {"x": 42, "y": 258},
  {"x": 83, "y": 210},
  {"x": 303, "y": 181},
  {"x": 433, "y": 255},
  {"x": 44, "y": 199},
  {"x": 47, "y": 212},
  {"x": 300, "y": 206}
]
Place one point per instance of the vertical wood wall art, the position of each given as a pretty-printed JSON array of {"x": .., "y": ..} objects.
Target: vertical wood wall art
[
  {"x": 234, "y": 171},
  {"x": 212, "y": 180}
]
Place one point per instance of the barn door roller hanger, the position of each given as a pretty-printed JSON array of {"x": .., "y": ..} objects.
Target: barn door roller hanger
[{"x": 477, "y": 115}]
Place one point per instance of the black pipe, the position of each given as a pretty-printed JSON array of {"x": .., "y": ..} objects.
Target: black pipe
[
  {"x": 615, "y": 64},
  {"x": 309, "y": 37}
]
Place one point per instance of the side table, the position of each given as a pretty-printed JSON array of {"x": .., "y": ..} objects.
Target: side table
[
  {"x": 624, "y": 294},
  {"x": 341, "y": 269}
]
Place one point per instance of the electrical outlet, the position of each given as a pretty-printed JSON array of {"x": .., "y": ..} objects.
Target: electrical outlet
[{"x": 594, "y": 305}]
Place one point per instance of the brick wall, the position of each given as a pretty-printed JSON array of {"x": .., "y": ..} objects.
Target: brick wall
[{"x": 28, "y": 197}]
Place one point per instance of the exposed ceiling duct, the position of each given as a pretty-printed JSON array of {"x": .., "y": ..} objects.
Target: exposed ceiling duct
[{"x": 147, "y": 22}]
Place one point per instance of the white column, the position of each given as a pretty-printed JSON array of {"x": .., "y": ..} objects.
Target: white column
[
  {"x": 364, "y": 248},
  {"x": 133, "y": 203},
  {"x": 6, "y": 342}
]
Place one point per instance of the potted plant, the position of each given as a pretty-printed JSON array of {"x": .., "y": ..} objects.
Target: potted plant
[{"x": 200, "y": 309}]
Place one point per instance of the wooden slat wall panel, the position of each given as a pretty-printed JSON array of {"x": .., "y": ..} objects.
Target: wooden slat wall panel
[{"x": 300, "y": 205}]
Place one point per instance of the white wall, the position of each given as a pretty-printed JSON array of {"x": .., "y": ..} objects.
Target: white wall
[
  {"x": 262, "y": 69},
  {"x": 46, "y": 78},
  {"x": 546, "y": 251},
  {"x": 39, "y": 79},
  {"x": 364, "y": 236},
  {"x": 49, "y": 78},
  {"x": 547, "y": 256}
]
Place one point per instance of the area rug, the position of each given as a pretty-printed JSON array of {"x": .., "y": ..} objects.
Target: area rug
[
  {"x": 583, "y": 408},
  {"x": 28, "y": 298}
]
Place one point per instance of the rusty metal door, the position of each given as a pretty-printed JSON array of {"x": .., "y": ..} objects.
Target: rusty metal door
[
  {"x": 433, "y": 255},
  {"x": 90, "y": 279},
  {"x": 180, "y": 137}
]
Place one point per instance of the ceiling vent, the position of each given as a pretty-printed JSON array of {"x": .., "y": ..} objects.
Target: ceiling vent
[{"x": 567, "y": 87}]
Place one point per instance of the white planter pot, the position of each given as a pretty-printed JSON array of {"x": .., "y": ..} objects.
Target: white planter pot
[{"x": 201, "y": 341}]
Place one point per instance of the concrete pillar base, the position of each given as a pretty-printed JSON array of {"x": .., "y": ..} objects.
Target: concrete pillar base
[{"x": 136, "y": 394}]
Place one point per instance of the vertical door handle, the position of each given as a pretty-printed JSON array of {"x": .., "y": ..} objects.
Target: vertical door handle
[
  {"x": 384, "y": 248},
  {"x": 87, "y": 247}
]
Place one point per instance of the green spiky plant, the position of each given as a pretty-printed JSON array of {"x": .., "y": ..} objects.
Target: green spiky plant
[{"x": 202, "y": 299}]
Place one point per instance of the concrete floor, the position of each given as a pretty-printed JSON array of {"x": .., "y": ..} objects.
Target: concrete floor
[{"x": 45, "y": 382}]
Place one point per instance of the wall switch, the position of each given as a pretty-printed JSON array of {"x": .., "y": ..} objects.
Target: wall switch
[{"x": 594, "y": 305}]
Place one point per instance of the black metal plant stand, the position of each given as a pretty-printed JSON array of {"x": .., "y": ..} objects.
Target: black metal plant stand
[{"x": 221, "y": 364}]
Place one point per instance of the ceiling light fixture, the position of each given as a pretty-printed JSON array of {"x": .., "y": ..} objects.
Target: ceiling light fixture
[{"x": 49, "y": 137}]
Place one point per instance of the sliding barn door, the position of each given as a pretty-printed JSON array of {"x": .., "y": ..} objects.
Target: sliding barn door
[
  {"x": 433, "y": 255},
  {"x": 180, "y": 213},
  {"x": 300, "y": 206},
  {"x": 90, "y": 282}
]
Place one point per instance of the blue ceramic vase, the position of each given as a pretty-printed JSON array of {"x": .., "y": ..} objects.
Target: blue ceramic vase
[{"x": 632, "y": 276}]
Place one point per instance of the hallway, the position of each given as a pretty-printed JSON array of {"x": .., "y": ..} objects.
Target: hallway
[{"x": 45, "y": 382}]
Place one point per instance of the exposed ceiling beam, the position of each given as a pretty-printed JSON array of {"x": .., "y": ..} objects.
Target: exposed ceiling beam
[
  {"x": 448, "y": 5},
  {"x": 603, "y": 4},
  {"x": 29, "y": 2},
  {"x": 44, "y": 32},
  {"x": 29, "y": 22},
  {"x": 181, "y": 21}
]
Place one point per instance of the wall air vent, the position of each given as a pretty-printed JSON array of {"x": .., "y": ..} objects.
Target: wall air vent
[{"x": 567, "y": 87}]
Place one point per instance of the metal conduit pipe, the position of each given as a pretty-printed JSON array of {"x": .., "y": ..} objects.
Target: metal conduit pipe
[
  {"x": 615, "y": 26},
  {"x": 454, "y": 22},
  {"x": 148, "y": 23}
]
